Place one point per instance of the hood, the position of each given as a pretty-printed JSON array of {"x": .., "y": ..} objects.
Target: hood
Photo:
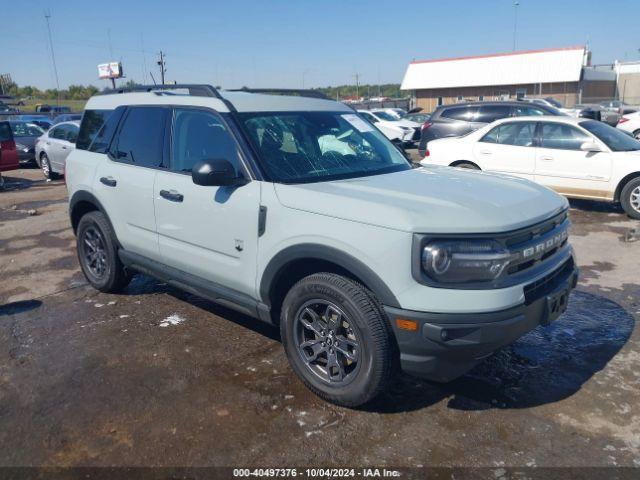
[
  {"x": 26, "y": 141},
  {"x": 429, "y": 200}
]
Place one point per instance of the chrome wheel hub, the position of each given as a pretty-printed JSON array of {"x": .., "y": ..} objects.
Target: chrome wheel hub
[{"x": 635, "y": 199}]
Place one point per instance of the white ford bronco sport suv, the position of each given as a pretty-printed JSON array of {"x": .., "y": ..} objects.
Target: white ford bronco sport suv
[{"x": 298, "y": 212}]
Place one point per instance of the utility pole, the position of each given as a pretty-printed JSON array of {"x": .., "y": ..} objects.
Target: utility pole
[
  {"x": 357, "y": 77},
  {"x": 161, "y": 64},
  {"x": 516, "y": 4},
  {"x": 47, "y": 16}
]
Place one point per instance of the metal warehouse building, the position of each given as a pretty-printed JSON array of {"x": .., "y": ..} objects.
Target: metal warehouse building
[{"x": 562, "y": 73}]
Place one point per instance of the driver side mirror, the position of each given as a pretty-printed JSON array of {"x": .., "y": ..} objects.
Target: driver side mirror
[
  {"x": 591, "y": 147},
  {"x": 216, "y": 173}
]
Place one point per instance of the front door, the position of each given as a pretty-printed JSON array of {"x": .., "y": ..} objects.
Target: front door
[
  {"x": 508, "y": 148},
  {"x": 564, "y": 167},
  {"x": 207, "y": 231}
]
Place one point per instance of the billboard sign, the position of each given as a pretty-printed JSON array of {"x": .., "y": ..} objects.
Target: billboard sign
[{"x": 110, "y": 70}]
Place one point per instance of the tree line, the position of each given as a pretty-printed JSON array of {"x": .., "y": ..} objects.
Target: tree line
[
  {"x": 73, "y": 92},
  {"x": 391, "y": 90}
]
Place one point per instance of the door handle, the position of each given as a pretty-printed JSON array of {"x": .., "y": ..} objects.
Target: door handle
[
  {"x": 108, "y": 181},
  {"x": 48, "y": 143},
  {"x": 64, "y": 148},
  {"x": 546, "y": 158},
  {"x": 172, "y": 195},
  {"x": 486, "y": 152}
]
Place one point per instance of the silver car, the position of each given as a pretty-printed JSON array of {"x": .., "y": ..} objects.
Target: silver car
[{"x": 54, "y": 146}]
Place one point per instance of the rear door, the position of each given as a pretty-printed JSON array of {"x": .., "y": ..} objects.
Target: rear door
[
  {"x": 455, "y": 121},
  {"x": 564, "y": 167},
  {"x": 125, "y": 180},
  {"x": 489, "y": 114},
  {"x": 508, "y": 148},
  {"x": 207, "y": 231},
  {"x": 8, "y": 154},
  {"x": 57, "y": 146}
]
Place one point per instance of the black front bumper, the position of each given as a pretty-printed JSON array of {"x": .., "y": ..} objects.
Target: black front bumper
[{"x": 445, "y": 346}]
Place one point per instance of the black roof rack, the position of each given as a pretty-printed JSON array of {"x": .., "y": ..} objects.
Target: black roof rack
[
  {"x": 284, "y": 91},
  {"x": 196, "y": 90}
]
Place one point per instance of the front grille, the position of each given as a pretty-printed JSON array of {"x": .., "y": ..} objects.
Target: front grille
[
  {"x": 533, "y": 245},
  {"x": 548, "y": 283}
]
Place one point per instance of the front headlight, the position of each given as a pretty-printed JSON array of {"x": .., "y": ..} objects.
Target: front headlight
[
  {"x": 22, "y": 147},
  {"x": 464, "y": 261}
]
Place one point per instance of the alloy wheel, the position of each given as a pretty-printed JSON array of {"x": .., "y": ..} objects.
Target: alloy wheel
[
  {"x": 46, "y": 169},
  {"x": 94, "y": 252},
  {"x": 328, "y": 342},
  {"x": 634, "y": 199}
]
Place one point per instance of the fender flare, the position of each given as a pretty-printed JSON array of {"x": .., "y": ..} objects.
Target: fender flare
[
  {"x": 329, "y": 254},
  {"x": 84, "y": 196}
]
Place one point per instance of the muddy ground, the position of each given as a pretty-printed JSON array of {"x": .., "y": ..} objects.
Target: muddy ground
[{"x": 157, "y": 377}]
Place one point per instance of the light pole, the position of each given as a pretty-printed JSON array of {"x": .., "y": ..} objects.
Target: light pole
[
  {"x": 516, "y": 4},
  {"x": 47, "y": 16},
  {"x": 304, "y": 74}
]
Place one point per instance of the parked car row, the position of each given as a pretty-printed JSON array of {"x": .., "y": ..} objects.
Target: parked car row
[{"x": 576, "y": 157}]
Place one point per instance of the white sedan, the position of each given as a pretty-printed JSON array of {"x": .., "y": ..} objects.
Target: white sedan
[
  {"x": 405, "y": 131},
  {"x": 574, "y": 156},
  {"x": 630, "y": 123},
  {"x": 53, "y": 148}
]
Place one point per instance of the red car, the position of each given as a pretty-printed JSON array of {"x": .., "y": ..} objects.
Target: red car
[{"x": 8, "y": 153}]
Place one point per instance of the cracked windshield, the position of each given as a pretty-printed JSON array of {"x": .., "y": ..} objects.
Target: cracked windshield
[{"x": 298, "y": 147}]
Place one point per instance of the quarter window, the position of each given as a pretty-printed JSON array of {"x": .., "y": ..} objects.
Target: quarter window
[
  {"x": 199, "y": 135},
  {"x": 518, "y": 134},
  {"x": 562, "y": 137},
  {"x": 92, "y": 121},
  {"x": 141, "y": 137}
]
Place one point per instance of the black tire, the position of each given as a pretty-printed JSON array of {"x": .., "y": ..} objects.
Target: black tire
[
  {"x": 45, "y": 166},
  {"x": 630, "y": 198},
  {"x": 636, "y": 134},
  {"x": 376, "y": 356},
  {"x": 108, "y": 274},
  {"x": 467, "y": 165}
]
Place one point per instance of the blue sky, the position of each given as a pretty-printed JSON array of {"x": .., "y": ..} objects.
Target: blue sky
[{"x": 278, "y": 43}]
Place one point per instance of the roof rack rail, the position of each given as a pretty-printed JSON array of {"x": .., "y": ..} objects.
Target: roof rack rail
[
  {"x": 284, "y": 91},
  {"x": 195, "y": 90}
]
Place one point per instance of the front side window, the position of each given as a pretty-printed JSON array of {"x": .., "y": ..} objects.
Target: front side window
[
  {"x": 562, "y": 137},
  {"x": 199, "y": 135},
  {"x": 385, "y": 116},
  {"x": 72, "y": 133},
  {"x": 519, "y": 134},
  {"x": 491, "y": 113},
  {"x": 92, "y": 122},
  {"x": 369, "y": 117},
  {"x": 615, "y": 139},
  {"x": 300, "y": 147},
  {"x": 5, "y": 132},
  {"x": 140, "y": 138}
]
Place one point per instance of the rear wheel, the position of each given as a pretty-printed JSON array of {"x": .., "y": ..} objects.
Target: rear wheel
[
  {"x": 45, "y": 165},
  {"x": 98, "y": 254},
  {"x": 636, "y": 134},
  {"x": 630, "y": 198},
  {"x": 337, "y": 339}
]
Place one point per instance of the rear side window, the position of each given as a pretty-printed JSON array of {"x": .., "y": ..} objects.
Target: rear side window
[
  {"x": 491, "y": 113},
  {"x": 92, "y": 122},
  {"x": 140, "y": 138},
  {"x": 5, "y": 132},
  {"x": 518, "y": 134},
  {"x": 101, "y": 141},
  {"x": 525, "y": 111},
  {"x": 466, "y": 114}
]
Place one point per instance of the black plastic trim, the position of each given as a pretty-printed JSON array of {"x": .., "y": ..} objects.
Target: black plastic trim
[
  {"x": 196, "y": 285},
  {"x": 322, "y": 252},
  {"x": 84, "y": 196}
]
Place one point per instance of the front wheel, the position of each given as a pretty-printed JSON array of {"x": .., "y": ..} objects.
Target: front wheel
[
  {"x": 630, "y": 198},
  {"x": 337, "y": 339},
  {"x": 636, "y": 134},
  {"x": 45, "y": 165},
  {"x": 467, "y": 165}
]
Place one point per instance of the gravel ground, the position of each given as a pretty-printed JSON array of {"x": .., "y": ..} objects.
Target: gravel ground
[{"x": 157, "y": 377}]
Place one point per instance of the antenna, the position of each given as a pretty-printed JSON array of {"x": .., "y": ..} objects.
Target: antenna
[{"x": 47, "y": 16}]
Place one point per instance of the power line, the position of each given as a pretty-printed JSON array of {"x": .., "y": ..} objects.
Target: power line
[{"x": 47, "y": 16}]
